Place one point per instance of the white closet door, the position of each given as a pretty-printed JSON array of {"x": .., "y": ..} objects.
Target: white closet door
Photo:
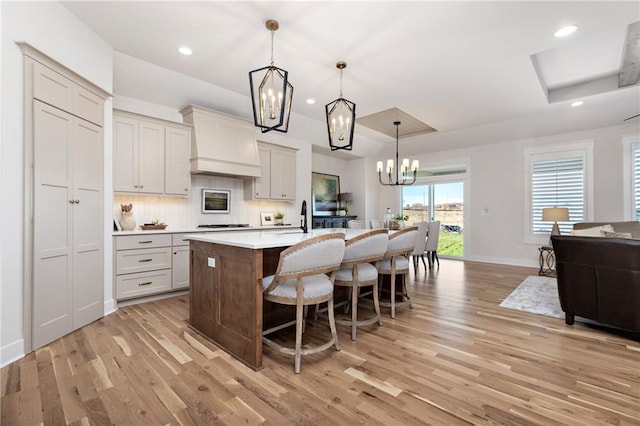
[
  {"x": 53, "y": 209},
  {"x": 88, "y": 217}
]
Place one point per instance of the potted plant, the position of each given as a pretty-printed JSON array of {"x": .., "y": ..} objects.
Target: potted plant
[
  {"x": 398, "y": 222},
  {"x": 279, "y": 218}
]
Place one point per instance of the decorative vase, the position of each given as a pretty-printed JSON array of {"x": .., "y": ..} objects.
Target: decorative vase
[
  {"x": 128, "y": 222},
  {"x": 279, "y": 221}
]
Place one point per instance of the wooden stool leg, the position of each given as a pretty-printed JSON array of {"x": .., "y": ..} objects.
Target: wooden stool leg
[
  {"x": 393, "y": 295},
  {"x": 376, "y": 302},
  {"x": 354, "y": 311},
  {"x": 332, "y": 324},
  {"x": 299, "y": 311}
]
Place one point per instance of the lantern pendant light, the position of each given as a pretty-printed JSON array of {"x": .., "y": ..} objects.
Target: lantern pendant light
[
  {"x": 271, "y": 93},
  {"x": 341, "y": 117},
  {"x": 401, "y": 178}
]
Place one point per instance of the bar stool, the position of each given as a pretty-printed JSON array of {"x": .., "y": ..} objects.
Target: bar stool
[
  {"x": 358, "y": 271},
  {"x": 396, "y": 262},
  {"x": 300, "y": 280}
]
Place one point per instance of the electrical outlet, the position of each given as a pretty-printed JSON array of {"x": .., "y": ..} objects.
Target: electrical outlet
[{"x": 211, "y": 262}]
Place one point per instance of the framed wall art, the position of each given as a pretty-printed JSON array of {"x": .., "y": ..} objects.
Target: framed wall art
[
  {"x": 215, "y": 200},
  {"x": 324, "y": 194}
]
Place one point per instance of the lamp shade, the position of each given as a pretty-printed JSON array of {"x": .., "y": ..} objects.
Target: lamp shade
[
  {"x": 346, "y": 196},
  {"x": 555, "y": 214}
]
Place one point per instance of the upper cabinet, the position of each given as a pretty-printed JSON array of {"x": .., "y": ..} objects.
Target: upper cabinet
[
  {"x": 278, "y": 180},
  {"x": 150, "y": 156}
]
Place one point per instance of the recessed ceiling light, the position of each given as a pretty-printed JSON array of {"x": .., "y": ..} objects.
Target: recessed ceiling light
[
  {"x": 577, "y": 103},
  {"x": 185, "y": 50},
  {"x": 311, "y": 101},
  {"x": 565, "y": 31}
]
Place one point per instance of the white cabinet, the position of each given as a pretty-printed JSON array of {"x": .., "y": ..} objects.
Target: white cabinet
[
  {"x": 180, "y": 271},
  {"x": 142, "y": 265},
  {"x": 278, "y": 180},
  {"x": 177, "y": 153},
  {"x": 150, "y": 156},
  {"x": 148, "y": 264},
  {"x": 64, "y": 142}
]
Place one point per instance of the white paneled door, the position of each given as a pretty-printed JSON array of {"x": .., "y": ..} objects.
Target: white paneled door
[{"x": 68, "y": 223}]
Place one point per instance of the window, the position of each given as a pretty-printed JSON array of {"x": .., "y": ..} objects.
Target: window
[
  {"x": 558, "y": 176},
  {"x": 636, "y": 179},
  {"x": 439, "y": 195},
  {"x": 631, "y": 181}
]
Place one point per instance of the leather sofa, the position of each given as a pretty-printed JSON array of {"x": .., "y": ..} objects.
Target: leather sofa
[{"x": 599, "y": 278}]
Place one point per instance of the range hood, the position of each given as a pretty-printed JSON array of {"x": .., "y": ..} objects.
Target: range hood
[{"x": 222, "y": 144}]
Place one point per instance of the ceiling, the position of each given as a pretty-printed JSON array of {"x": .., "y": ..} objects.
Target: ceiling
[{"x": 456, "y": 66}]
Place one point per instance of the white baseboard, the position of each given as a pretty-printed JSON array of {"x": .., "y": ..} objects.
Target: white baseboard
[
  {"x": 152, "y": 298},
  {"x": 505, "y": 261},
  {"x": 11, "y": 352},
  {"x": 109, "y": 306}
]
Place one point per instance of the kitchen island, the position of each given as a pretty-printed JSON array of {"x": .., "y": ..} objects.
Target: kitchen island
[{"x": 225, "y": 303}]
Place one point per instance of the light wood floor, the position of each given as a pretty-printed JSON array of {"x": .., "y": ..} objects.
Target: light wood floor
[{"x": 456, "y": 358}]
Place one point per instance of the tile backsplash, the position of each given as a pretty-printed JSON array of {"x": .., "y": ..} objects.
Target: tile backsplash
[{"x": 185, "y": 212}]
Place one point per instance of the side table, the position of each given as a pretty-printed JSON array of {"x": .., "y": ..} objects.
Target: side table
[{"x": 547, "y": 261}]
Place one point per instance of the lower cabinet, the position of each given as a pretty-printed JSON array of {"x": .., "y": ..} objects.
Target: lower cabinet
[
  {"x": 180, "y": 270},
  {"x": 150, "y": 264},
  {"x": 331, "y": 221}
]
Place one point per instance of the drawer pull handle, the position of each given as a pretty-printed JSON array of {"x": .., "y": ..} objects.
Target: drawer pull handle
[
  {"x": 145, "y": 242},
  {"x": 147, "y": 283},
  {"x": 145, "y": 260}
]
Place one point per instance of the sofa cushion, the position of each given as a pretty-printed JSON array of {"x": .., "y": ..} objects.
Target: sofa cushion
[
  {"x": 608, "y": 234},
  {"x": 632, "y": 226},
  {"x": 592, "y": 232}
]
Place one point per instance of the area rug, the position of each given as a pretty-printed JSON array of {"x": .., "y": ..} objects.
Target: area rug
[{"x": 538, "y": 295}]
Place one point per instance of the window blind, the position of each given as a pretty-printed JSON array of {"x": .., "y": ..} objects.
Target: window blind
[
  {"x": 559, "y": 183},
  {"x": 636, "y": 181}
]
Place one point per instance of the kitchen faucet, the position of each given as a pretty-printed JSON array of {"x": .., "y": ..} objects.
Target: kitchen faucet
[{"x": 303, "y": 220}]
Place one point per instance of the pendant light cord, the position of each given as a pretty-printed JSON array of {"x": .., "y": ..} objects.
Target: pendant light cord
[{"x": 272, "y": 37}]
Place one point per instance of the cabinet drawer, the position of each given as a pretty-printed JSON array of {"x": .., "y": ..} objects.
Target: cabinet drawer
[
  {"x": 131, "y": 261},
  {"x": 178, "y": 239},
  {"x": 144, "y": 283},
  {"x": 143, "y": 241}
]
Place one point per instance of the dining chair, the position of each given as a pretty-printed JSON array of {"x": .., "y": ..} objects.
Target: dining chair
[
  {"x": 355, "y": 224},
  {"x": 396, "y": 262},
  {"x": 376, "y": 224},
  {"x": 420, "y": 246},
  {"x": 301, "y": 280},
  {"x": 431, "y": 248},
  {"x": 358, "y": 270}
]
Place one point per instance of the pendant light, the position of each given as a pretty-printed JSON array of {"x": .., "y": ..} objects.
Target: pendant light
[
  {"x": 341, "y": 117},
  {"x": 271, "y": 93},
  {"x": 401, "y": 178}
]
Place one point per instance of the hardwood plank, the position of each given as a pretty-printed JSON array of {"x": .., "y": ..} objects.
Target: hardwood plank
[{"x": 457, "y": 358}]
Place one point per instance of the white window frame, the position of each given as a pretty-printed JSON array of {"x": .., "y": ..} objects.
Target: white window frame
[
  {"x": 630, "y": 144},
  {"x": 549, "y": 152}
]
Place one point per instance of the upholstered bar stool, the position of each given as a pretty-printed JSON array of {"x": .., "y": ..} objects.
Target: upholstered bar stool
[
  {"x": 396, "y": 262},
  {"x": 301, "y": 280},
  {"x": 358, "y": 271},
  {"x": 355, "y": 224}
]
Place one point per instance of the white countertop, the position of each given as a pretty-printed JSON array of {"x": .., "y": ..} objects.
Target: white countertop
[
  {"x": 170, "y": 230},
  {"x": 268, "y": 239}
]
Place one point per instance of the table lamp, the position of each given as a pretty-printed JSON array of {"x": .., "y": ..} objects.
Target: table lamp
[{"x": 555, "y": 215}]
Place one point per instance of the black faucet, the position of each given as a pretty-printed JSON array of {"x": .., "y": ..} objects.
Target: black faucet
[{"x": 303, "y": 220}]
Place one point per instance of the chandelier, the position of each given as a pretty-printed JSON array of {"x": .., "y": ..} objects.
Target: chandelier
[
  {"x": 401, "y": 175},
  {"x": 271, "y": 93},
  {"x": 341, "y": 116}
]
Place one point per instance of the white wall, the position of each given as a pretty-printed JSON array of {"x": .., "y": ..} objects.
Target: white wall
[
  {"x": 50, "y": 28},
  {"x": 497, "y": 181}
]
